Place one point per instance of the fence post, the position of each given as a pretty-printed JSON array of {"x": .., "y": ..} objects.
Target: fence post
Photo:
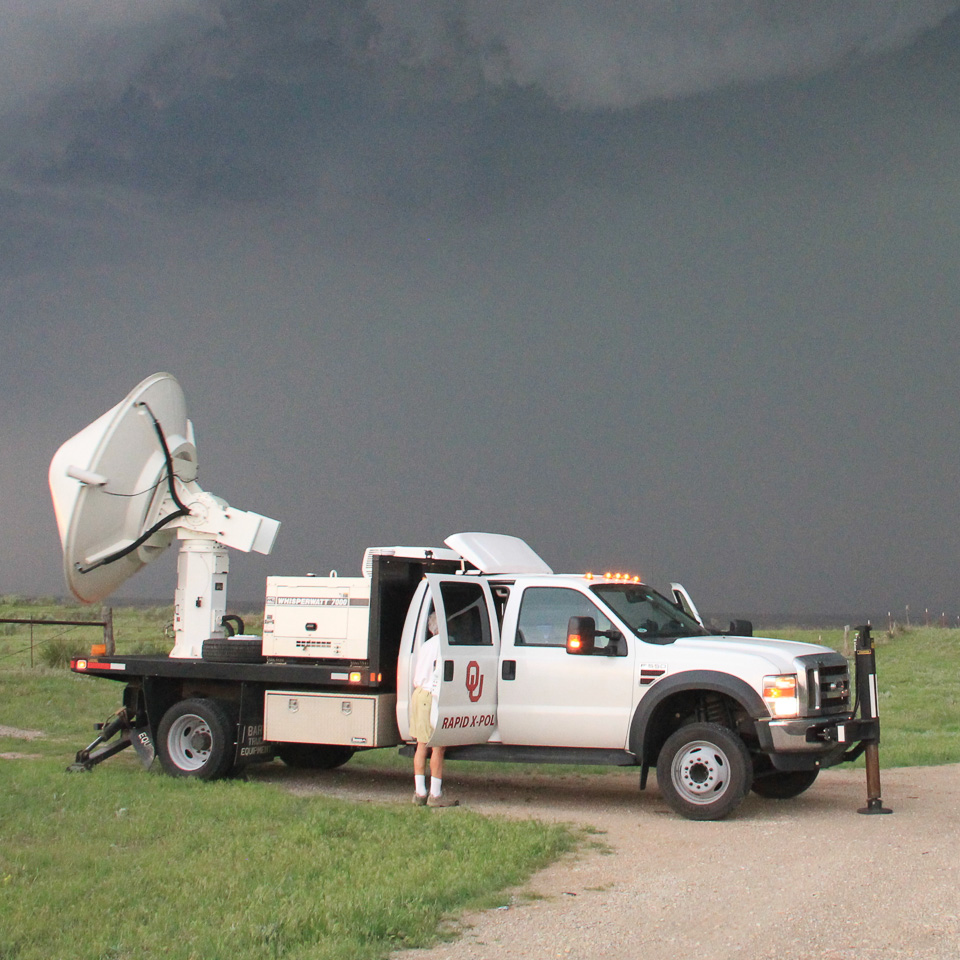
[
  {"x": 31, "y": 643},
  {"x": 107, "y": 614}
]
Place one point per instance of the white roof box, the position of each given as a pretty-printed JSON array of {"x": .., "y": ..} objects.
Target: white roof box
[{"x": 497, "y": 553}]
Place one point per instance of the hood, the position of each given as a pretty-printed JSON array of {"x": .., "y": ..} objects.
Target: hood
[{"x": 779, "y": 653}]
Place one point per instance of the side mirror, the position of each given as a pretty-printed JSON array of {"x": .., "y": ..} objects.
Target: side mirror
[
  {"x": 740, "y": 628},
  {"x": 616, "y": 647},
  {"x": 581, "y": 635}
]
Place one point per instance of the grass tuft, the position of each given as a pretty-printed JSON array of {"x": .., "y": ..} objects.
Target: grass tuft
[{"x": 59, "y": 653}]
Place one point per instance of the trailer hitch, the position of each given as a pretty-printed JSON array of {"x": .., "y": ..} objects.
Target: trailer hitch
[{"x": 100, "y": 750}]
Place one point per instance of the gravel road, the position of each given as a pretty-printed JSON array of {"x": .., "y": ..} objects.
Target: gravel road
[{"x": 792, "y": 880}]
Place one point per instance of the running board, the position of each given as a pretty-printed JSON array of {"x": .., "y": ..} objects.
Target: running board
[{"x": 511, "y": 753}]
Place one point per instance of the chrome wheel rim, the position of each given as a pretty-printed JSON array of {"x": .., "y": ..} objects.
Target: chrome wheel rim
[
  {"x": 701, "y": 772},
  {"x": 189, "y": 742}
]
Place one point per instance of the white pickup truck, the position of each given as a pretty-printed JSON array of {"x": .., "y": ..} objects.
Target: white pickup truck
[{"x": 537, "y": 667}]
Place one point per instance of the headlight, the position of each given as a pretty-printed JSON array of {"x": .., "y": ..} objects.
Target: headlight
[{"x": 780, "y": 695}]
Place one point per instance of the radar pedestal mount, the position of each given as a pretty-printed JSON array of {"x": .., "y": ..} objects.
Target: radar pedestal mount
[{"x": 125, "y": 488}]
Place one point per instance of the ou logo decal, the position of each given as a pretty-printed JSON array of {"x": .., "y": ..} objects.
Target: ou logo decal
[{"x": 474, "y": 681}]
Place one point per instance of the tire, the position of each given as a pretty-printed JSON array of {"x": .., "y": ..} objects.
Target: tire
[
  {"x": 784, "y": 784},
  {"x": 195, "y": 739},
  {"x": 233, "y": 651},
  {"x": 314, "y": 756},
  {"x": 704, "y": 771}
]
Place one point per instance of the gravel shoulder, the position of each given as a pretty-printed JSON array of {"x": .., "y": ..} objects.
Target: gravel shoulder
[{"x": 793, "y": 880}]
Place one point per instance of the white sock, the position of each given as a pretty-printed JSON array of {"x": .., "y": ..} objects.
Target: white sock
[
  {"x": 435, "y": 787},
  {"x": 421, "y": 784}
]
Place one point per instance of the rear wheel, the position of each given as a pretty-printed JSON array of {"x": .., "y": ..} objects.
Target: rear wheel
[
  {"x": 195, "y": 739},
  {"x": 784, "y": 784},
  {"x": 704, "y": 771},
  {"x": 314, "y": 756}
]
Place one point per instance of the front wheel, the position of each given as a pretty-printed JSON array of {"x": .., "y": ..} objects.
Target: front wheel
[
  {"x": 704, "y": 771},
  {"x": 195, "y": 739}
]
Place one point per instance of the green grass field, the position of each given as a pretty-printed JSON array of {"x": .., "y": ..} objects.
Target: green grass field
[
  {"x": 126, "y": 864},
  {"x": 120, "y": 864},
  {"x": 123, "y": 864}
]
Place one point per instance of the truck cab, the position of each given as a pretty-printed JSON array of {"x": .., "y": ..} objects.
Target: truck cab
[{"x": 604, "y": 669}]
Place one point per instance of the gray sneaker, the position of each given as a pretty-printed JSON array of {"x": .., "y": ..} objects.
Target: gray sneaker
[
  {"x": 419, "y": 800},
  {"x": 441, "y": 801}
]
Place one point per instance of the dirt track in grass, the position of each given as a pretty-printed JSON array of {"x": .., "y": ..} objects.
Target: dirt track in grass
[{"x": 792, "y": 880}]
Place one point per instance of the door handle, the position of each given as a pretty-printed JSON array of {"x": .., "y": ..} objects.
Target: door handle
[
  {"x": 447, "y": 670},
  {"x": 508, "y": 670}
]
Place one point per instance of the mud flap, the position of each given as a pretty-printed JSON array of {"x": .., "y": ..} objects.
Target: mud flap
[
  {"x": 251, "y": 747},
  {"x": 143, "y": 745}
]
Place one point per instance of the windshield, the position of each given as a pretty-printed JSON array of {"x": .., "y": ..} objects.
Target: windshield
[{"x": 649, "y": 615}]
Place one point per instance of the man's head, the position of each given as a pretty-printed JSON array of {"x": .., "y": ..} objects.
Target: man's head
[{"x": 432, "y": 627}]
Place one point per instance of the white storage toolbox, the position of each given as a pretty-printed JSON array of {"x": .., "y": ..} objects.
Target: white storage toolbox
[{"x": 292, "y": 716}]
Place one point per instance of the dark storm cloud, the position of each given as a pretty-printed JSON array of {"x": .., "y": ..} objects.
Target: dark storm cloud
[
  {"x": 380, "y": 106},
  {"x": 620, "y": 53},
  {"x": 49, "y": 44},
  {"x": 247, "y": 99},
  {"x": 606, "y": 54},
  {"x": 668, "y": 285}
]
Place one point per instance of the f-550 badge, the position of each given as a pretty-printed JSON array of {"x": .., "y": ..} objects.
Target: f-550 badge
[{"x": 651, "y": 672}]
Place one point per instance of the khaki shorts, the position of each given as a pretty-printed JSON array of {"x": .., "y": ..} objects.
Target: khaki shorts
[{"x": 420, "y": 706}]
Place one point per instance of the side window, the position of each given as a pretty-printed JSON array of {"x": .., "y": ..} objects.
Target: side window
[
  {"x": 468, "y": 623},
  {"x": 545, "y": 612}
]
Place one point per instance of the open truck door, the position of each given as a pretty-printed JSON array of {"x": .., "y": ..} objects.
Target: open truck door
[
  {"x": 685, "y": 602},
  {"x": 470, "y": 650}
]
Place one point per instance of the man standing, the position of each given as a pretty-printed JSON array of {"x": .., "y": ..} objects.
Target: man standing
[{"x": 426, "y": 685}]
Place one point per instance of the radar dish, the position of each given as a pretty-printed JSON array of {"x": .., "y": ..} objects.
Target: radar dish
[{"x": 107, "y": 483}]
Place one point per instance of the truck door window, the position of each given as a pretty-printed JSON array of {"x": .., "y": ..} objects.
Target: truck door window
[
  {"x": 546, "y": 611},
  {"x": 468, "y": 624}
]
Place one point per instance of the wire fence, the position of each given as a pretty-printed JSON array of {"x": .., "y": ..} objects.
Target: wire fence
[{"x": 106, "y": 624}]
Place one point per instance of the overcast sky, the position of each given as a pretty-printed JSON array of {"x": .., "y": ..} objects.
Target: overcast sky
[{"x": 663, "y": 287}]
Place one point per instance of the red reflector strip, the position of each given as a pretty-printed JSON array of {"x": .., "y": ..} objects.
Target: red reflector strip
[{"x": 95, "y": 665}]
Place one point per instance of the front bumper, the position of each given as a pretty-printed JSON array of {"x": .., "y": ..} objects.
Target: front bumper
[{"x": 807, "y": 742}]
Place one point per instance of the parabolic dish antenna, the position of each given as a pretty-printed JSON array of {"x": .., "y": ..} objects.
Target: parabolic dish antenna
[
  {"x": 108, "y": 483},
  {"x": 125, "y": 488}
]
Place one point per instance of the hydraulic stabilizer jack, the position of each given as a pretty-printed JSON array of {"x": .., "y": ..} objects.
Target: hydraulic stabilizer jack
[
  {"x": 100, "y": 750},
  {"x": 870, "y": 718}
]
